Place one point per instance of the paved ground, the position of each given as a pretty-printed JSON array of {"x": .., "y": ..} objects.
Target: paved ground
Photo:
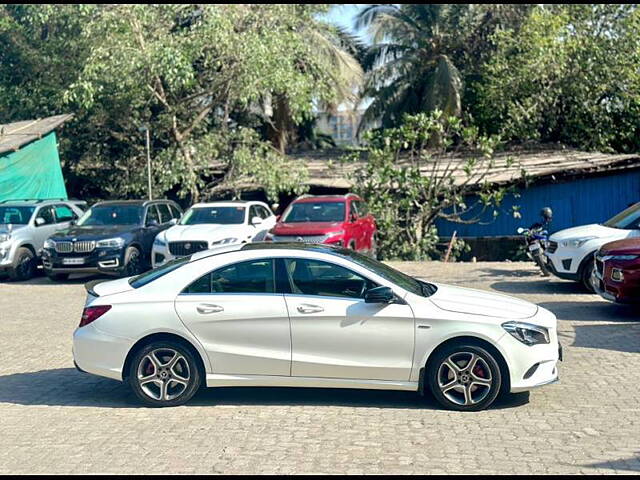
[{"x": 56, "y": 420}]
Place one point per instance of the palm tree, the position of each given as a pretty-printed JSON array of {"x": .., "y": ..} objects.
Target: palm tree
[{"x": 419, "y": 51}]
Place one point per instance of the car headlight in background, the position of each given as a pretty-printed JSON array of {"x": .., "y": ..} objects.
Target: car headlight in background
[
  {"x": 158, "y": 242},
  {"x": 576, "y": 242},
  {"x": 116, "y": 242},
  {"x": 335, "y": 234},
  {"x": 224, "y": 241},
  {"x": 527, "y": 333},
  {"x": 48, "y": 243},
  {"x": 5, "y": 237}
]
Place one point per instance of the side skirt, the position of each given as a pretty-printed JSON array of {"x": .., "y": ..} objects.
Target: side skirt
[{"x": 219, "y": 380}]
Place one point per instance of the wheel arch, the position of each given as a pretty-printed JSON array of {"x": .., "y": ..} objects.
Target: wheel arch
[
  {"x": 30, "y": 247},
  {"x": 480, "y": 342},
  {"x": 163, "y": 336}
]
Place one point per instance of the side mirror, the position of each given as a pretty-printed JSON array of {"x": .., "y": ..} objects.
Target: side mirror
[
  {"x": 353, "y": 217},
  {"x": 40, "y": 221},
  {"x": 379, "y": 295},
  {"x": 255, "y": 221}
]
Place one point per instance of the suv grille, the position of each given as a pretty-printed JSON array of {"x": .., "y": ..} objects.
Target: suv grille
[
  {"x": 186, "y": 248},
  {"x": 77, "y": 247},
  {"x": 300, "y": 238},
  {"x": 553, "y": 246}
]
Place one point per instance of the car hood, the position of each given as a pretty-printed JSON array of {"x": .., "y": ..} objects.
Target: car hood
[
  {"x": 478, "y": 302},
  {"x": 593, "y": 230},
  {"x": 305, "y": 228},
  {"x": 628, "y": 246},
  {"x": 93, "y": 231},
  {"x": 204, "y": 232},
  {"x": 4, "y": 227}
]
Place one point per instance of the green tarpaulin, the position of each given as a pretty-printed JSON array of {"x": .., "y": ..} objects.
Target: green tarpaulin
[{"x": 33, "y": 171}]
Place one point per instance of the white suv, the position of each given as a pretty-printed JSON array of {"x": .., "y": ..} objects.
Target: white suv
[
  {"x": 571, "y": 252},
  {"x": 25, "y": 225},
  {"x": 207, "y": 225}
]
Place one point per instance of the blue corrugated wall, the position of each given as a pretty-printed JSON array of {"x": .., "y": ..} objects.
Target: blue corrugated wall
[{"x": 575, "y": 202}]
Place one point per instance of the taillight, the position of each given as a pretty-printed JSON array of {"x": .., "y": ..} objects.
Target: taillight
[{"x": 89, "y": 314}]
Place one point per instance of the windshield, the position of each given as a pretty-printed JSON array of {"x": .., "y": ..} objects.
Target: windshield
[
  {"x": 148, "y": 277},
  {"x": 391, "y": 274},
  {"x": 627, "y": 219},
  {"x": 216, "y": 215},
  {"x": 315, "y": 212},
  {"x": 112, "y": 215},
  {"x": 16, "y": 215}
]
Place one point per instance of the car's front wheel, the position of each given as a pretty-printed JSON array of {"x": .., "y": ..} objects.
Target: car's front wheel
[
  {"x": 24, "y": 265},
  {"x": 164, "y": 374},
  {"x": 464, "y": 377}
]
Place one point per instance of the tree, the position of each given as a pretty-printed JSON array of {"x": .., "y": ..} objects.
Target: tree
[
  {"x": 421, "y": 54},
  {"x": 569, "y": 75},
  {"x": 408, "y": 186}
]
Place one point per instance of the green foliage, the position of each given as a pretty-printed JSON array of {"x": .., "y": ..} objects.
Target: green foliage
[
  {"x": 408, "y": 185},
  {"x": 199, "y": 77},
  {"x": 570, "y": 74}
]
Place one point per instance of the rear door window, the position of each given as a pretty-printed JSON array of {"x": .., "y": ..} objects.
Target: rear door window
[{"x": 253, "y": 276}]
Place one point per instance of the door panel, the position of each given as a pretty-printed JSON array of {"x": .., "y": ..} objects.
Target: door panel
[
  {"x": 348, "y": 338},
  {"x": 242, "y": 333}
]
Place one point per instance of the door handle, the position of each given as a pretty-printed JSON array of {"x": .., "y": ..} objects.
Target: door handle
[
  {"x": 207, "y": 308},
  {"x": 307, "y": 308}
]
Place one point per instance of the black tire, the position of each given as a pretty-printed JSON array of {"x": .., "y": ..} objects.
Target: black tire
[
  {"x": 188, "y": 369},
  {"x": 57, "y": 277},
  {"x": 585, "y": 275},
  {"x": 485, "y": 369},
  {"x": 24, "y": 265},
  {"x": 132, "y": 262},
  {"x": 539, "y": 259}
]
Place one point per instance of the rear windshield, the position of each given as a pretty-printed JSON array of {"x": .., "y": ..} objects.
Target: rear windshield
[
  {"x": 148, "y": 277},
  {"x": 627, "y": 219},
  {"x": 214, "y": 215},
  {"x": 315, "y": 212}
]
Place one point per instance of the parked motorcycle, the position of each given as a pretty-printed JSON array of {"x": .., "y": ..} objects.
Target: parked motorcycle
[{"x": 536, "y": 239}]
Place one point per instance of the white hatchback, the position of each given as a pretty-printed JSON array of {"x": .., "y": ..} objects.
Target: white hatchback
[
  {"x": 300, "y": 315},
  {"x": 207, "y": 225}
]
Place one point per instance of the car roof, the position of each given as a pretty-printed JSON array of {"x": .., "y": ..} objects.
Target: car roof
[
  {"x": 325, "y": 198},
  {"x": 238, "y": 203},
  {"x": 141, "y": 203},
  {"x": 270, "y": 246},
  {"x": 34, "y": 203}
]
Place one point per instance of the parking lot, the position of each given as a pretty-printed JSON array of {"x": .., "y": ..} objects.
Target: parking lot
[{"x": 54, "y": 419}]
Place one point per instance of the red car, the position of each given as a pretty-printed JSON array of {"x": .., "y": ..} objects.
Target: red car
[
  {"x": 616, "y": 275},
  {"x": 341, "y": 220}
]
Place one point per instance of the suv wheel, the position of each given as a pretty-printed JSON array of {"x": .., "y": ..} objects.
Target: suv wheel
[
  {"x": 585, "y": 277},
  {"x": 132, "y": 262},
  {"x": 464, "y": 377},
  {"x": 164, "y": 374},
  {"x": 24, "y": 265}
]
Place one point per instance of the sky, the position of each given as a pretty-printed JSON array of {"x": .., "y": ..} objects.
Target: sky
[{"x": 343, "y": 15}]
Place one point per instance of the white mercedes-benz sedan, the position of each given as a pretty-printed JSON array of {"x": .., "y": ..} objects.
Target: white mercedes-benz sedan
[{"x": 300, "y": 315}]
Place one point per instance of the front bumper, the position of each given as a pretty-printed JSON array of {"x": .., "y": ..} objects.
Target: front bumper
[
  {"x": 101, "y": 260},
  {"x": 624, "y": 291},
  {"x": 564, "y": 262}
]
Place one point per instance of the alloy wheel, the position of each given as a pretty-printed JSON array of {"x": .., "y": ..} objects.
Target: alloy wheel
[
  {"x": 464, "y": 378},
  {"x": 163, "y": 374}
]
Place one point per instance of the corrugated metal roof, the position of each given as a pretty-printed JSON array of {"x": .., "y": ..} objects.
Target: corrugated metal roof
[
  {"x": 15, "y": 135},
  {"x": 326, "y": 169}
]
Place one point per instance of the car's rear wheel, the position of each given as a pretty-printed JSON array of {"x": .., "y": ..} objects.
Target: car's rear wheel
[
  {"x": 24, "y": 265},
  {"x": 464, "y": 377},
  {"x": 164, "y": 374},
  {"x": 132, "y": 262}
]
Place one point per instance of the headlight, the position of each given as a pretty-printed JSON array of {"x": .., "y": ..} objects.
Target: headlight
[
  {"x": 335, "y": 234},
  {"x": 158, "y": 242},
  {"x": 576, "y": 242},
  {"x": 48, "y": 243},
  {"x": 116, "y": 242},
  {"x": 620, "y": 257},
  {"x": 527, "y": 333},
  {"x": 4, "y": 237},
  {"x": 224, "y": 241}
]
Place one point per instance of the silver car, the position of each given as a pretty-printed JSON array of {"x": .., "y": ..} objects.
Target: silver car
[{"x": 25, "y": 225}]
